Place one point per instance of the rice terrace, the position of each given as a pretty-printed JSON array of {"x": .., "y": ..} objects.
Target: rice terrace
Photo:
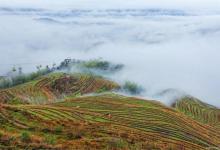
[
  {"x": 55, "y": 111},
  {"x": 109, "y": 75}
]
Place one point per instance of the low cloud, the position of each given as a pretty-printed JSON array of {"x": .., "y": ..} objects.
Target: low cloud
[
  {"x": 99, "y": 4},
  {"x": 159, "y": 51}
]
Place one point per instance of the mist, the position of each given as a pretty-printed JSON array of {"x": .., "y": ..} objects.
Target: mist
[
  {"x": 100, "y": 4},
  {"x": 161, "y": 48}
]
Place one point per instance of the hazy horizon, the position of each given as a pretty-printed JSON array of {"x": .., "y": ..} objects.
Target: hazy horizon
[
  {"x": 175, "y": 45},
  {"x": 95, "y": 4}
]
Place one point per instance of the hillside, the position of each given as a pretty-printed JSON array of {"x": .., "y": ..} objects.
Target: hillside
[
  {"x": 54, "y": 112},
  {"x": 102, "y": 122},
  {"x": 55, "y": 86},
  {"x": 199, "y": 111}
]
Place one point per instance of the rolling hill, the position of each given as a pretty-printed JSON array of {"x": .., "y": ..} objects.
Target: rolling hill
[
  {"x": 55, "y": 112},
  {"x": 199, "y": 111},
  {"x": 54, "y": 87}
]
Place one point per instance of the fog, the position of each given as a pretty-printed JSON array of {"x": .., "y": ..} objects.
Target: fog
[
  {"x": 65, "y": 4},
  {"x": 161, "y": 48}
]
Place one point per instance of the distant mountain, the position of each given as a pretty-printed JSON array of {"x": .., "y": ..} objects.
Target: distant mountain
[{"x": 94, "y": 12}]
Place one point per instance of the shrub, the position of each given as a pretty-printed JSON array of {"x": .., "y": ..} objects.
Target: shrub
[
  {"x": 97, "y": 64},
  {"x": 25, "y": 137},
  {"x": 20, "y": 79},
  {"x": 101, "y": 90},
  {"x": 77, "y": 94},
  {"x": 5, "y": 83},
  {"x": 58, "y": 129},
  {"x": 132, "y": 87}
]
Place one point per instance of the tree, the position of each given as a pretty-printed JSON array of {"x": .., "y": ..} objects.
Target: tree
[
  {"x": 20, "y": 71},
  {"x": 39, "y": 67},
  {"x": 14, "y": 69}
]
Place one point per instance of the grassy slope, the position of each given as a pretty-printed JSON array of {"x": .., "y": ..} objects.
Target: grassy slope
[
  {"x": 199, "y": 111},
  {"x": 109, "y": 121},
  {"x": 53, "y": 87},
  {"x": 103, "y": 122}
]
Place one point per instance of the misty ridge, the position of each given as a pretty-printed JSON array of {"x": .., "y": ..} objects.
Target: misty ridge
[{"x": 168, "y": 52}]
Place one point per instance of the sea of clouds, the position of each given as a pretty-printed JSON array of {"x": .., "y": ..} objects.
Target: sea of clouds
[{"x": 173, "y": 46}]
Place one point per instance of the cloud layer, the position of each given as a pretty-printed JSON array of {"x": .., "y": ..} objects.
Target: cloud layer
[
  {"x": 161, "y": 48},
  {"x": 64, "y": 4}
]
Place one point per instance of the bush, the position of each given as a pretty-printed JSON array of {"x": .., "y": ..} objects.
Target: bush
[
  {"x": 97, "y": 64},
  {"x": 5, "y": 83},
  {"x": 25, "y": 137},
  {"x": 58, "y": 129},
  {"x": 132, "y": 88},
  {"x": 20, "y": 79},
  {"x": 101, "y": 90}
]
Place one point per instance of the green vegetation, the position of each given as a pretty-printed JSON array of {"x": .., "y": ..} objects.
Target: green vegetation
[
  {"x": 25, "y": 137},
  {"x": 59, "y": 129},
  {"x": 102, "y": 89},
  {"x": 50, "y": 113},
  {"x": 89, "y": 66},
  {"x": 97, "y": 64},
  {"x": 54, "y": 87},
  {"x": 107, "y": 121},
  {"x": 132, "y": 88},
  {"x": 50, "y": 139},
  {"x": 100, "y": 64},
  {"x": 85, "y": 66},
  {"x": 22, "y": 78},
  {"x": 199, "y": 111}
]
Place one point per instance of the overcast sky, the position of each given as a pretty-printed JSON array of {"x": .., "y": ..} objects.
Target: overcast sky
[{"x": 183, "y": 4}]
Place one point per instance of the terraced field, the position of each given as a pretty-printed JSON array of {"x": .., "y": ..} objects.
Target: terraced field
[
  {"x": 199, "y": 111},
  {"x": 53, "y": 112},
  {"x": 102, "y": 122},
  {"x": 53, "y": 87}
]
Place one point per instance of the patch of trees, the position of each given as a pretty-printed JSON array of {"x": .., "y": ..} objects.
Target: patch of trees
[
  {"x": 132, "y": 88},
  {"x": 95, "y": 64},
  {"x": 20, "y": 78}
]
